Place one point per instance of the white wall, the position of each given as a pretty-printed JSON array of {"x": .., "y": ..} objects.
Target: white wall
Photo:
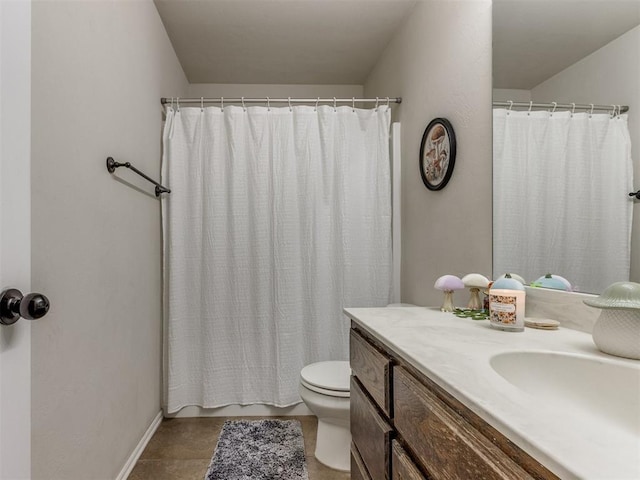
[
  {"x": 15, "y": 226},
  {"x": 273, "y": 91},
  {"x": 99, "y": 70},
  {"x": 611, "y": 75},
  {"x": 440, "y": 63},
  {"x": 513, "y": 94}
]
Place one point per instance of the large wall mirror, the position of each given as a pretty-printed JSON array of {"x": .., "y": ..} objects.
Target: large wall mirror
[{"x": 566, "y": 151}]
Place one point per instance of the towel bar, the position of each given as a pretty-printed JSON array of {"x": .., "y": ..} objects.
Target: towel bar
[{"x": 112, "y": 165}]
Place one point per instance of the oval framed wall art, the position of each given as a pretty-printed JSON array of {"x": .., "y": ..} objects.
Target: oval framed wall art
[{"x": 437, "y": 154}]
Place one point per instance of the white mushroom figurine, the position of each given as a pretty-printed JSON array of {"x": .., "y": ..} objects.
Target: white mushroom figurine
[
  {"x": 474, "y": 282},
  {"x": 448, "y": 284}
]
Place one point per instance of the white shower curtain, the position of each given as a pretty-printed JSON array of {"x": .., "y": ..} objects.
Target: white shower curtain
[
  {"x": 560, "y": 196},
  {"x": 277, "y": 219}
]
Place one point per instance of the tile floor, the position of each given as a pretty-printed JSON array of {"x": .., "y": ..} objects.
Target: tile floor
[{"x": 181, "y": 449}]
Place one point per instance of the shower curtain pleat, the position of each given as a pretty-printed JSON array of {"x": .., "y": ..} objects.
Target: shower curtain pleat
[
  {"x": 278, "y": 218},
  {"x": 560, "y": 196}
]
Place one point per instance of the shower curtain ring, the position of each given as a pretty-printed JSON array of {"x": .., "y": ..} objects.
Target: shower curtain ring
[
  {"x": 510, "y": 107},
  {"x": 289, "y": 101},
  {"x": 377, "y": 102},
  {"x": 619, "y": 110},
  {"x": 591, "y": 111},
  {"x": 222, "y": 104},
  {"x": 613, "y": 113},
  {"x": 171, "y": 103},
  {"x": 573, "y": 109},
  {"x": 555, "y": 105},
  {"x": 178, "y": 104},
  {"x": 244, "y": 108},
  {"x": 202, "y": 104},
  {"x": 388, "y": 102},
  {"x": 353, "y": 104},
  {"x": 317, "y": 101},
  {"x": 268, "y": 104},
  {"x": 335, "y": 102},
  {"x": 530, "y": 106}
]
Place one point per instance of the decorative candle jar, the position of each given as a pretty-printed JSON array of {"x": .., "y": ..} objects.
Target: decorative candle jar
[
  {"x": 617, "y": 331},
  {"x": 506, "y": 304}
]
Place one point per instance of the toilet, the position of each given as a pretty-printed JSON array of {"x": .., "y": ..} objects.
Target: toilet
[{"x": 324, "y": 388}]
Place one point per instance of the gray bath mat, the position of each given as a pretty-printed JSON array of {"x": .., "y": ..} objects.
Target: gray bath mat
[{"x": 259, "y": 450}]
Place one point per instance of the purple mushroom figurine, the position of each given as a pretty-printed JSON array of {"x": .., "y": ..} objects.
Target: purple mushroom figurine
[{"x": 448, "y": 284}]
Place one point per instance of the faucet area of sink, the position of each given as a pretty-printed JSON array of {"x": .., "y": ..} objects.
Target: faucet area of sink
[{"x": 553, "y": 393}]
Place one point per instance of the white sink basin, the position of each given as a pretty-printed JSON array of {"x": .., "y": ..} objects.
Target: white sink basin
[{"x": 602, "y": 388}]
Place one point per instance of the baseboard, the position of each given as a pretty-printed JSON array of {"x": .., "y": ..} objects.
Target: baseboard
[
  {"x": 257, "y": 410},
  {"x": 142, "y": 444}
]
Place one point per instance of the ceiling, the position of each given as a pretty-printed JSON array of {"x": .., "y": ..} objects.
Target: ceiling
[
  {"x": 281, "y": 41},
  {"x": 535, "y": 39}
]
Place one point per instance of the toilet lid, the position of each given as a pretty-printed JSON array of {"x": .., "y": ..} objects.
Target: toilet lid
[{"x": 333, "y": 376}]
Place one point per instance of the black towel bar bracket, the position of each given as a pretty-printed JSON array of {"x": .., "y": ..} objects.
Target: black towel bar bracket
[
  {"x": 112, "y": 165},
  {"x": 635, "y": 194}
]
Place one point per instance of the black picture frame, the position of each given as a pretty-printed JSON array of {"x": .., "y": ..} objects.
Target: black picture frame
[{"x": 437, "y": 154}]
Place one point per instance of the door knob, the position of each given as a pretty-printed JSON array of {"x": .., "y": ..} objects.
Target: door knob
[{"x": 14, "y": 305}]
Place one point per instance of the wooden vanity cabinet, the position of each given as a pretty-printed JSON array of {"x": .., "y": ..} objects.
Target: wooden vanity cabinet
[
  {"x": 372, "y": 368},
  {"x": 370, "y": 432},
  {"x": 404, "y": 427},
  {"x": 443, "y": 442},
  {"x": 371, "y": 429},
  {"x": 358, "y": 470},
  {"x": 402, "y": 467}
]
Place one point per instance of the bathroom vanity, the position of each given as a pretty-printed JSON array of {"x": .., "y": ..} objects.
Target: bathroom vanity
[{"x": 432, "y": 397}]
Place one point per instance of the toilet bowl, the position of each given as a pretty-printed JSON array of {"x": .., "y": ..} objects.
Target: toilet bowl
[{"x": 324, "y": 388}]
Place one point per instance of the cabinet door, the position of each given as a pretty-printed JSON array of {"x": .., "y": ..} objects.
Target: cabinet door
[
  {"x": 370, "y": 433},
  {"x": 402, "y": 467},
  {"x": 358, "y": 470},
  {"x": 445, "y": 444},
  {"x": 373, "y": 369}
]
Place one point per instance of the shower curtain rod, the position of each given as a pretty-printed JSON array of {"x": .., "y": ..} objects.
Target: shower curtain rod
[
  {"x": 571, "y": 106},
  {"x": 266, "y": 100}
]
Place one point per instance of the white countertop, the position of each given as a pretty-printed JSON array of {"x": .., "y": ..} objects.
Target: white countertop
[{"x": 455, "y": 352}]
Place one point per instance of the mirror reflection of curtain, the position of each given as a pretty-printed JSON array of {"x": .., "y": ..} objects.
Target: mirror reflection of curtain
[
  {"x": 277, "y": 219},
  {"x": 560, "y": 196}
]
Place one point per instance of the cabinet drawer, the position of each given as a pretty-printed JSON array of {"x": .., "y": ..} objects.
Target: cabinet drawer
[
  {"x": 371, "y": 434},
  {"x": 402, "y": 467},
  {"x": 358, "y": 470},
  {"x": 373, "y": 369},
  {"x": 446, "y": 445}
]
